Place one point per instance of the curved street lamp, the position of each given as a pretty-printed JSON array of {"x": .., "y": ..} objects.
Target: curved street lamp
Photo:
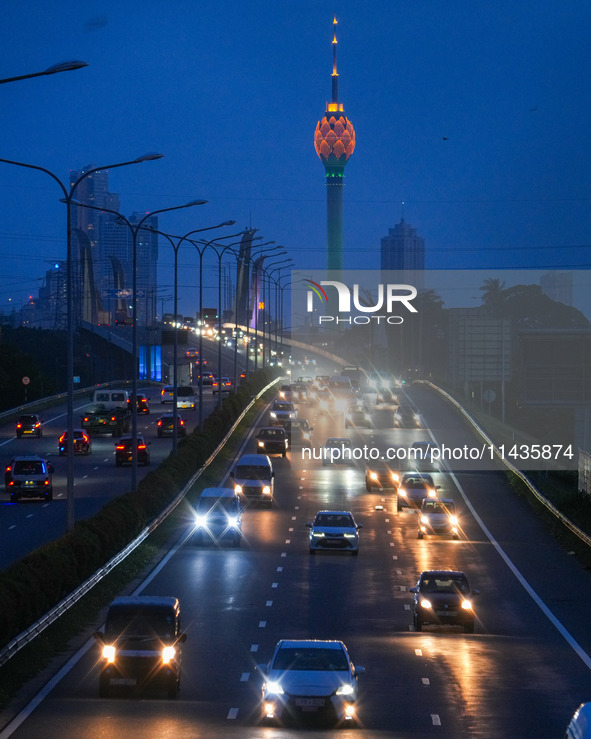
[
  {"x": 54, "y": 69},
  {"x": 135, "y": 228},
  {"x": 176, "y": 246},
  {"x": 68, "y": 200},
  {"x": 287, "y": 263}
]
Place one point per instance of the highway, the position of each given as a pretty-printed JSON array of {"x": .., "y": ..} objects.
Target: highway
[{"x": 521, "y": 674}]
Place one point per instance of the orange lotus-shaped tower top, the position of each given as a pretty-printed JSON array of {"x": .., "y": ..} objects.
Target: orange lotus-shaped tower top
[{"x": 334, "y": 138}]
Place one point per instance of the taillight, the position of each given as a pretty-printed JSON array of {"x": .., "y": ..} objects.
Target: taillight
[
  {"x": 141, "y": 446},
  {"x": 120, "y": 446},
  {"x": 19, "y": 425},
  {"x": 84, "y": 437},
  {"x": 159, "y": 423},
  {"x": 85, "y": 418},
  {"x": 62, "y": 438}
]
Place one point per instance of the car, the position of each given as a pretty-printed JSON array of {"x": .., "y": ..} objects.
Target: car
[
  {"x": 29, "y": 424},
  {"x": 438, "y": 516},
  {"x": 385, "y": 395},
  {"x": 425, "y": 454},
  {"x": 380, "y": 477},
  {"x": 407, "y": 417},
  {"x": 142, "y": 402},
  {"x": 298, "y": 431},
  {"x": 218, "y": 516},
  {"x": 254, "y": 479},
  {"x": 124, "y": 450},
  {"x": 28, "y": 477},
  {"x": 140, "y": 646},
  {"x": 337, "y": 450},
  {"x": 357, "y": 416},
  {"x": 310, "y": 678},
  {"x": 300, "y": 392},
  {"x": 284, "y": 393},
  {"x": 167, "y": 394},
  {"x": 579, "y": 727},
  {"x": 81, "y": 443},
  {"x": 443, "y": 597},
  {"x": 281, "y": 411},
  {"x": 272, "y": 440},
  {"x": 165, "y": 425},
  {"x": 225, "y": 385},
  {"x": 414, "y": 486},
  {"x": 324, "y": 400},
  {"x": 334, "y": 531},
  {"x": 185, "y": 397},
  {"x": 206, "y": 379}
]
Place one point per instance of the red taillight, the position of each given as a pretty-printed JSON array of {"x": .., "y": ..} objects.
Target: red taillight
[
  {"x": 182, "y": 422},
  {"x": 46, "y": 482},
  {"x": 9, "y": 469},
  {"x": 141, "y": 446},
  {"x": 62, "y": 438},
  {"x": 85, "y": 418},
  {"x": 120, "y": 446},
  {"x": 159, "y": 423},
  {"x": 84, "y": 437},
  {"x": 37, "y": 425},
  {"x": 19, "y": 425},
  {"x": 113, "y": 418}
]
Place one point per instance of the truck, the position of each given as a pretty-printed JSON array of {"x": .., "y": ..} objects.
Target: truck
[{"x": 101, "y": 420}]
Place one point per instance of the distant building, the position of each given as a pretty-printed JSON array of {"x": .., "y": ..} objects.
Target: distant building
[
  {"x": 558, "y": 286},
  {"x": 403, "y": 249}
]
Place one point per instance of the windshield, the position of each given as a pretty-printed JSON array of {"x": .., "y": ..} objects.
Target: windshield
[
  {"x": 206, "y": 505},
  {"x": 310, "y": 658},
  {"x": 282, "y": 407},
  {"x": 444, "y": 584},
  {"x": 334, "y": 519},
  {"x": 252, "y": 472},
  {"x": 272, "y": 434},
  {"x": 141, "y": 622},
  {"x": 430, "y": 506},
  {"x": 184, "y": 392}
]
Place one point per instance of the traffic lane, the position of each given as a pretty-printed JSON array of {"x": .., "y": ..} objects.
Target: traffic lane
[
  {"x": 31, "y": 523},
  {"x": 554, "y": 575}
]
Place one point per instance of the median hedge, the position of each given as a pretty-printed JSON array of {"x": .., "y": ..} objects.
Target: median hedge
[{"x": 31, "y": 587}]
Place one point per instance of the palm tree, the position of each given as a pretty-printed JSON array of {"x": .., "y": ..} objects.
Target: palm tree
[{"x": 492, "y": 292}]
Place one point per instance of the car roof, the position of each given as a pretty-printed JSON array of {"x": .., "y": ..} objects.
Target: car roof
[
  {"x": 218, "y": 493},
  {"x": 445, "y": 501},
  {"x": 443, "y": 573},
  {"x": 28, "y": 458},
  {"x": 258, "y": 459},
  {"x": 335, "y": 513},
  {"x": 338, "y": 440},
  {"x": 145, "y": 600},
  {"x": 311, "y": 644}
]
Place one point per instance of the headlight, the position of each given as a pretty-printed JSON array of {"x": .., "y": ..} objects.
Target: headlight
[
  {"x": 425, "y": 603},
  {"x": 350, "y": 536},
  {"x": 317, "y": 534},
  {"x": 200, "y": 521},
  {"x": 274, "y": 687},
  {"x": 424, "y": 519},
  {"x": 267, "y": 490},
  {"x": 346, "y": 689},
  {"x": 233, "y": 522},
  {"x": 402, "y": 492},
  {"x": 453, "y": 520},
  {"x": 168, "y": 655},
  {"x": 374, "y": 475},
  {"x": 237, "y": 488},
  {"x": 395, "y": 477},
  {"x": 273, "y": 414},
  {"x": 467, "y": 605},
  {"x": 262, "y": 444},
  {"x": 109, "y": 652},
  {"x": 431, "y": 493}
]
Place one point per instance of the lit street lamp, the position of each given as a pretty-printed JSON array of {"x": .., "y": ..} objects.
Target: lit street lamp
[
  {"x": 54, "y": 69},
  {"x": 68, "y": 200}
]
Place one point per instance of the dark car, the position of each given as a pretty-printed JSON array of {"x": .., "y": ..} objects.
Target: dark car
[
  {"x": 337, "y": 450},
  {"x": 224, "y": 385},
  {"x": 298, "y": 431},
  {"x": 165, "y": 425},
  {"x": 357, "y": 416},
  {"x": 81, "y": 442},
  {"x": 124, "y": 451},
  {"x": 407, "y": 417},
  {"x": 386, "y": 395},
  {"x": 28, "y": 477},
  {"x": 443, "y": 597},
  {"x": 272, "y": 440},
  {"x": 381, "y": 478},
  {"x": 29, "y": 425},
  {"x": 414, "y": 487},
  {"x": 143, "y": 405},
  {"x": 141, "y": 645}
]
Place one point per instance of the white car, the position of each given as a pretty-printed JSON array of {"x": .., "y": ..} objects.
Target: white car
[
  {"x": 438, "y": 516},
  {"x": 310, "y": 679},
  {"x": 282, "y": 411},
  {"x": 334, "y": 531},
  {"x": 337, "y": 450}
]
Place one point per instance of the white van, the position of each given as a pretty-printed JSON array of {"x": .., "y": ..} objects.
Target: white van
[
  {"x": 254, "y": 478},
  {"x": 111, "y": 398}
]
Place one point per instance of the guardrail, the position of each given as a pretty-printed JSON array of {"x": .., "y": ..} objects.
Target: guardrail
[
  {"x": 585, "y": 538},
  {"x": 25, "y": 637}
]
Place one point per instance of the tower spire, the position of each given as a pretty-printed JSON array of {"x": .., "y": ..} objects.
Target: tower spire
[{"x": 335, "y": 74}]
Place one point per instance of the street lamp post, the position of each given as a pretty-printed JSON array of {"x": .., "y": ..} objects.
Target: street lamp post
[
  {"x": 285, "y": 263},
  {"x": 68, "y": 200},
  {"x": 135, "y": 228},
  {"x": 54, "y": 69},
  {"x": 267, "y": 300},
  {"x": 176, "y": 246}
]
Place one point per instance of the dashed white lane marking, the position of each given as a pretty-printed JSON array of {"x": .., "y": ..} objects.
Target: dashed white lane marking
[
  {"x": 406, "y": 607},
  {"x": 399, "y": 572},
  {"x": 290, "y": 529},
  {"x": 262, "y": 624},
  {"x": 394, "y": 556},
  {"x": 12, "y": 527},
  {"x": 392, "y": 544},
  {"x": 280, "y": 569},
  {"x": 288, "y": 541},
  {"x": 435, "y": 719},
  {"x": 297, "y": 508},
  {"x": 294, "y": 518},
  {"x": 284, "y": 554},
  {"x": 386, "y": 520},
  {"x": 275, "y": 585},
  {"x": 269, "y": 603},
  {"x": 301, "y": 487},
  {"x": 30, "y": 515},
  {"x": 425, "y": 681},
  {"x": 245, "y": 677},
  {"x": 419, "y": 652},
  {"x": 232, "y": 713},
  {"x": 254, "y": 647}
]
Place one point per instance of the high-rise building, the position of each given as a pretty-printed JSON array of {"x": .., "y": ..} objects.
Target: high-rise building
[
  {"x": 403, "y": 249},
  {"x": 334, "y": 141},
  {"x": 103, "y": 257}
]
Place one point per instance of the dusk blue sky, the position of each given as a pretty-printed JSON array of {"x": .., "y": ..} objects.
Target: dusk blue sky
[{"x": 475, "y": 115}]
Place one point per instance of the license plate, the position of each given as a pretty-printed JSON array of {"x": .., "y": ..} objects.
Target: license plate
[
  {"x": 446, "y": 613},
  {"x": 123, "y": 681},
  {"x": 310, "y": 703}
]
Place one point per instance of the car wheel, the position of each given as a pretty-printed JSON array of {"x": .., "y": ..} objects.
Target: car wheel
[
  {"x": 469, "y": 628},
  {"x": 312, "y": 551},
  {"x": 173, "y": 690},
  {"x": 49, "y": 495},
  {"x": 103, "y": 688},
  {"x": 368, "y": 488},
  {"x": 118, "y": 463},
  {"x": 418, "y": 624},
  {"x": 455, "y": 537},
  {"x": 419, "y": 535},
  {"x": 14, "y": 498},
  {"x": 355, "y": 552},
  {"x": 399, "y": 507},
  {"x": 284, "y": 454}
]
